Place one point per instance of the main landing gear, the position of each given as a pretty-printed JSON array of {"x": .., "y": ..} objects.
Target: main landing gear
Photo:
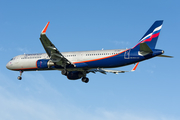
[
  {"x": 74, "y": 75},
  {"x": 64, "y": 72},
  {"x": 19, "y": 77},
  {"x": 85, "y": 79}
]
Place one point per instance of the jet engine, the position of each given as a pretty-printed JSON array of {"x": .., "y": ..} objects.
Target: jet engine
[
  {"x": 44, "y": 63},
  {"x": 74, "y": 75}
]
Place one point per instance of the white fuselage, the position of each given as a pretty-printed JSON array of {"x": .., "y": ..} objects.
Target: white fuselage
[{"x": 28, "y": 61}]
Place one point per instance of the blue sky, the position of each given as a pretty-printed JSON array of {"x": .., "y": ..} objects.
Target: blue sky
[{"x": 149, "y": 93}]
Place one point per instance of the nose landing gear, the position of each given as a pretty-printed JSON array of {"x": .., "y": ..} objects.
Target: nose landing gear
[{"x": 19, "y": 77}]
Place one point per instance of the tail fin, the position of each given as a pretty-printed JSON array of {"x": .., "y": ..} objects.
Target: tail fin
[{"x": 151, "y": 36}]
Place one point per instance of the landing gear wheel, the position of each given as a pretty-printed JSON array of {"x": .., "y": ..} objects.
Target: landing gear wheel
[
  {"x": 64, "y": 72},
  {"x": 19, "y": 77},
  {"x": 85, "y": 79}
]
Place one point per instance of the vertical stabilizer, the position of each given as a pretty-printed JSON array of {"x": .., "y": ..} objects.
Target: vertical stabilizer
[{"x": 151, "y": 36}]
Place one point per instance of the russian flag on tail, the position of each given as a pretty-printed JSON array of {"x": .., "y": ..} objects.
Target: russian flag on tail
[{"x": 151, "y": 36}]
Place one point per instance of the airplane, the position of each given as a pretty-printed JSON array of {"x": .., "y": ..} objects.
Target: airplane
[{"x": 76, "y": 65}]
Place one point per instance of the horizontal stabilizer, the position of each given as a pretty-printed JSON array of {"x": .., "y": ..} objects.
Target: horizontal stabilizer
[
  {"x": 145, "y": 48},
  {"x": 165, "y": 56}
]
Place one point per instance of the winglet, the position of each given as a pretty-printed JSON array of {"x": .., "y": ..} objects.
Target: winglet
[
  {"x": 45, "y": 28},
  {"x": 135, "y": 67}
]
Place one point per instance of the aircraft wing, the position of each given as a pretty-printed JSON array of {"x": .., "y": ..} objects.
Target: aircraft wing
[
  {"x": 51, "y": 50},
  {"x": 104, "y": 71}
]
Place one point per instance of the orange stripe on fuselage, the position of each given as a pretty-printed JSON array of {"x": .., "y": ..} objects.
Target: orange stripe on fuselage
[
  {"x": 100, "y": 58},
  {"x": 26, "y": 68}
]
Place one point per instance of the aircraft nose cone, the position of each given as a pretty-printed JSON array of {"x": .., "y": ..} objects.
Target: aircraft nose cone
[{"x": 8, "y": 66}]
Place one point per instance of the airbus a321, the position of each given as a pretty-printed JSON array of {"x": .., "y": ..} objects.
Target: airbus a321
[{"x": 76, "y": 65}]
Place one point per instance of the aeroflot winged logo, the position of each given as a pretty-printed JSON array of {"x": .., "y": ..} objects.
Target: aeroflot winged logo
[{"x": 76, "y": 65}]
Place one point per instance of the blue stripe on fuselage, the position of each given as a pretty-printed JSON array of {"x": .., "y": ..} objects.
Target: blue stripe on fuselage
[
  {"x": 115, "y": 61},
  {"x": 120, "y": 60}
]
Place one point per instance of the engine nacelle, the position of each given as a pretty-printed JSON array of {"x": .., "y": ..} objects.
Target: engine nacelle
[
  {"x": 44, "y": 63},
  {"x": 74, "y": 75}
]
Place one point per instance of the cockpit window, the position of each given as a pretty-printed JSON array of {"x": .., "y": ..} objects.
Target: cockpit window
[{"x": 12, "y": 59}]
